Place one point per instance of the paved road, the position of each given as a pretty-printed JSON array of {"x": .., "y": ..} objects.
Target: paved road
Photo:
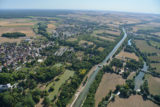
[{"x": 82, "y": 95}]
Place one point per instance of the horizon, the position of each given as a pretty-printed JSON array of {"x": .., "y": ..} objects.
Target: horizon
[
  {"x": 84, "y": 10},
  {"x": 143, "y": 6}
]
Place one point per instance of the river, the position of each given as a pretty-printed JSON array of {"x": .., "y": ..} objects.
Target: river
[
  {"x": 139, "y": 77},
  {"x": 129, "y": 42},
  {"x": 84, "y": 92}
]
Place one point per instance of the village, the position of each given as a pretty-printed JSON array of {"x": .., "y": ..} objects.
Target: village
[{"x": 12, "y": 55}]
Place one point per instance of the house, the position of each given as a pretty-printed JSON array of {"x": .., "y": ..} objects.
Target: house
[{"x": 5, "y": 87}]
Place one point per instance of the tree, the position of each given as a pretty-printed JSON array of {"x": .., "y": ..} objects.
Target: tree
[
  {"x": 51, "y": 88},
  {"x": 117, "y": 63},
  {"x": 36, "y": 95},
  {"x": 13, "y": 35},
  {"x": 8, "y": 100},
  {"x": 28, "y": 101},
  {"x": 5, "y": 70},
  {"x": 157, "y": 98},
  {"x": 125, "y": 74},
  {"x": 46, "y": 101}
]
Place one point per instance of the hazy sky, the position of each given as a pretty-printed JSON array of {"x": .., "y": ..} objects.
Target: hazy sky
[{"x": 147, "y": 6}]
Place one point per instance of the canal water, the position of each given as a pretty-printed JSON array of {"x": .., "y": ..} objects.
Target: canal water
[{"x": 84, "y": 93}]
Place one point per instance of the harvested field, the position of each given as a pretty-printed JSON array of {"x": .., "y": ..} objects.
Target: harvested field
[
  {"x": 108, "y": 82},
  {"x": 144, "y": 47},
  {"x": 132, "y": 101},
  {"x": 23, "y": 25},
  {"x": 126, "y": 55},
  {"x": 16, "y": 22},
  {"x": 27, "y": 30},
  {"x": 51, "y": 27},
  {"x": 154, "y": 85}
]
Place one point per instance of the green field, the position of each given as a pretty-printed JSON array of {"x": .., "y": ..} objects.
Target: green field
[{"x": 57, "y": 84}]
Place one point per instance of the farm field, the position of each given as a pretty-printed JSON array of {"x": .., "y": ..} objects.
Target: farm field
[
  {"x": 17, "y": 22},
  {"x": 132, "y": 101},
  {"x": 106, "y": 36},
  {"x": 157, "y": 66},
  {"x": 154, "y": 84},
  {"x": 108, "y": 82},
  {"x": 16, "y": 25},
  {"x": 144, "y": 47},
  {"x": 154, "y": 58},
  {"x": 155, "y": 44},
  {"x": 126, "y": 55},
  {"x": 148, "y": 26},
  {"x": 57, "y": 84},
  {"x": 51, "y": 26}
]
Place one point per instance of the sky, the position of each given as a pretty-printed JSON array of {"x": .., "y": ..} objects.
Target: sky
[{"x": 142, "y": 6}]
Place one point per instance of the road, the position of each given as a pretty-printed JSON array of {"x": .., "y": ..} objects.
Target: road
[{"x": 82, "y": 93}]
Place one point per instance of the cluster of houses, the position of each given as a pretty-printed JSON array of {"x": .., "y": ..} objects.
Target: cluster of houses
[
  {"x": 11, "y": 54},
  {"x": 72, "y": 27}
]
